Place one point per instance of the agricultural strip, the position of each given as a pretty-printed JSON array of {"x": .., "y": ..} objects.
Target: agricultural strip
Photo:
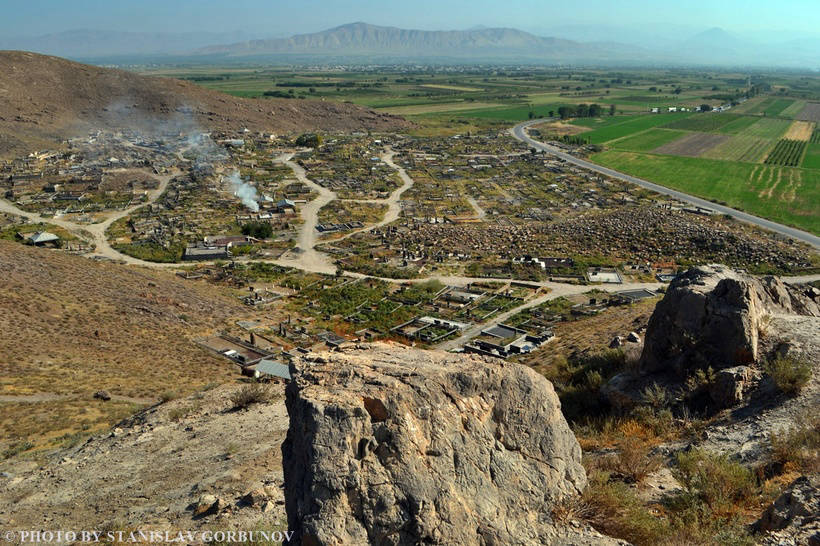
[
  {"x": 776, "y": 107},
  {"x": 450, "y": 87},
  {"x": 729, "y": 182},
  {"x": 428, "y": 108},
  {"x": 738, "y": 125},
  {"x": 740, "y": 148},
  {"x": 812, "y": 157},
  {"x": 788, "y": 153},
  {"x": 800, "y": 130},
  {"x": 793, "y": 110},
  {"x": 605, "y": 134},
  {"x": 811, "y": 112},
  {"x": 692, "y": 145},
  {"x": 768, "y": 128},
  {"x": 647, "y": 140},
  {"x": 704, "y": 122}
]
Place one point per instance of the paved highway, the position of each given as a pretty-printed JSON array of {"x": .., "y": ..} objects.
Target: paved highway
[{"x": 520, "y": 132}]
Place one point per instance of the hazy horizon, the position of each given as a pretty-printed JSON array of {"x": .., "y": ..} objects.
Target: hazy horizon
[{"x": 786, "y": 19}]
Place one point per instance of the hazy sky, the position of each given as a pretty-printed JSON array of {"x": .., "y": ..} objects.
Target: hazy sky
[{"x": 276, "y": 17}]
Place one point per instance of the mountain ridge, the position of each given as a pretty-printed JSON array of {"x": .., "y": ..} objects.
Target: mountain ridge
[{"x": 365, "y": 39}]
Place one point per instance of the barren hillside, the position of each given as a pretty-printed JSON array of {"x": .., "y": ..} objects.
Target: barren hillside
[
  {"x": 72, "y": 326},
  {"x": 43, "y": 99}
]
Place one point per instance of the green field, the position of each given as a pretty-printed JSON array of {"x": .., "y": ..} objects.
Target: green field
[
  {"x": 646, "y": 141},
  {"x": 738, "y": 125},
  {"x": 782, "y": 194},
  {"x": 629, "y": 127},
  {"x": 812, "y": 158},
  {"x": 793, "y": 110},
  {"x": 777, "y": 106},
  {"x": 741, "y": 148},
  {"x": 768, "y": 128},
  {"x": 703, "y": 123}
]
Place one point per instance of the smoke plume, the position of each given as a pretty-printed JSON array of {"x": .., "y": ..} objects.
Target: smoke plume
[{"x": 244, "y": 191}]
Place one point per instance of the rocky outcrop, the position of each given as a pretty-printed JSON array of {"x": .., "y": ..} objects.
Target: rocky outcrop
[
  {"x": 392, "y": 445},
  {"x": 713, "y": 316},
  {"x": 794, "y": 517}
]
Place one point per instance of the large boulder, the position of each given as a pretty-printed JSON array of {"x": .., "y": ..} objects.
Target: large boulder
[
  {"x": 713, "y": 316},
  {"x": 392, "y": 445}
]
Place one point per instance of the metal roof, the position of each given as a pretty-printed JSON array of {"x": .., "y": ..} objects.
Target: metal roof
[
  {"x": 43, "y": 237},
  {"x": 271, "y": 367}
]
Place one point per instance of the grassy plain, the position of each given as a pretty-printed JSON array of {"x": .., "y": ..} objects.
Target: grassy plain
[{"x": 783, "y": 194}]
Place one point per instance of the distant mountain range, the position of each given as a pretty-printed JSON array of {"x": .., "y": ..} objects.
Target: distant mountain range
[
  {"x": 362, "y": 42},
  {"x": 84, "y": 43}
]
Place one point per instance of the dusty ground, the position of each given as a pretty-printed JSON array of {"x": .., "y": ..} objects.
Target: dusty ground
[
  {"x": 591, "y": 334},
  {"x": 72, "y": 326},
  {"x": 150, "y": 469},
  {"x": 560, "y": 128}
]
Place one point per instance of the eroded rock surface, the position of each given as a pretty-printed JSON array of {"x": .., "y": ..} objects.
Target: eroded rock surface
[
  {"x": 794, "y": 517},
  {"x": 392, "y": 445},
  {"x": 713, "y": 316}
]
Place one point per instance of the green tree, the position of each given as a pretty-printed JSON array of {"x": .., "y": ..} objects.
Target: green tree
[
  {"x": 310, "y": 140},
  {"x": 611, "y": 109},
  {"x": 705, "y": 108}
]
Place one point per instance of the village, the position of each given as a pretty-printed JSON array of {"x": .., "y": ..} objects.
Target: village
[{"x": 469, "y": 243}]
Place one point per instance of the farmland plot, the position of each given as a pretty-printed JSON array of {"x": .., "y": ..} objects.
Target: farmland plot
[
  {"x": 692, "y": 145},
  {"x": 705, "y": 122},
  {"x": 811, "y": 112},
  {"x": 605, "y": 134},
  {"x": 787, "y": 152},
  {"x": 777, "y": 107},
  {"x": 738, "y": 125},
  {"x": 646, "y": 140},
  {"x": 740, "y": 148},
  {"x": 768, "y": 128},
  {"x": 800, "y": 130},
  {"x": 795, "y": 108},
  {"x": 812, "y": 158}
]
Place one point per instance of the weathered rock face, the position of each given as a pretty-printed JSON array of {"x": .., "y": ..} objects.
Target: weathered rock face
[
  {"x": 794, "y": 517},
  {"x": 391, "y": 445},
  {"x": 712, "y": 316}
]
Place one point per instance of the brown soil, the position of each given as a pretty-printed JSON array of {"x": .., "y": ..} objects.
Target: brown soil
[
  {"x": 692, "y": 145},
  {"x": 810, "y": 112},
  {"x": 560, "y": 128}
]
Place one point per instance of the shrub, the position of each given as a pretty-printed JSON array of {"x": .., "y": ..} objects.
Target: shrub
[
  {"x": 615, "y": 510},
  {"x": 248, "y": 395},
  {"x": 714, "y": 480},
  {"x": 789, "y": 374},
  {"x": 655, "y": 396},
  {"x": 797, "y": 448},
  {"x": 16, "y": 449}
]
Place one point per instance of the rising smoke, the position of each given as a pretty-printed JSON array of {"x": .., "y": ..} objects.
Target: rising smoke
[{"x": 244, "y": 191}]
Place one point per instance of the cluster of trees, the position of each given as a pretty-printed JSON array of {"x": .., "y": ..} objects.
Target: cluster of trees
[
  {"x": 259, "y": 230},
  {"x": 309, "y": 140},
  {"x": 582, "y": 111}
]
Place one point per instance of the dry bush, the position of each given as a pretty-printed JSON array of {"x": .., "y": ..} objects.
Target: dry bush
[
  {"x": 255, "y": 393},
  {"x": 570, "y": 509},
  {"x": 789, "y": 374},
  {"x": 724, "y": 486},
  {"x": 798, "y": 448}
]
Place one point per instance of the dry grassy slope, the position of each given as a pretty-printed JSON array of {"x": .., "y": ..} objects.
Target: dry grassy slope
[
  {"x": 44, "y": 98},
  {"x": 72, "y": 326},
  {"x": 147, "y": 471}
]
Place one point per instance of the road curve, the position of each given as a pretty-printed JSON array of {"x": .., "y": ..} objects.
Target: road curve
[{"x": 520, "y": 133}]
